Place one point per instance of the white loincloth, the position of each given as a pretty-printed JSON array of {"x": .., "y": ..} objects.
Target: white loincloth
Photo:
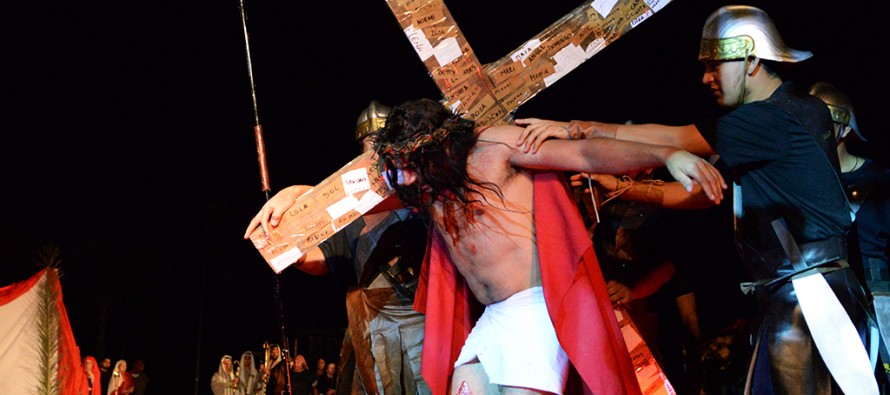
[{"x": 516, "y": 344}]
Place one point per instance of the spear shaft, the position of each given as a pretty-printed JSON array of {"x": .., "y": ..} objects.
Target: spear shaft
[
  {"x": 258, "y": 127},
  {"x": 264, "y": 178}
]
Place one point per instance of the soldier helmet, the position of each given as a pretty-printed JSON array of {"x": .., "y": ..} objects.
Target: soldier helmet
[
  {"x": 371, "y": 119},
  {"x": 839, "y": 104},
  {"x": 737, "y": 31}
]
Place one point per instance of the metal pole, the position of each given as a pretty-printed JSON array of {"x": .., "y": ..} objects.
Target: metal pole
[{"x": 264, "y": 178}]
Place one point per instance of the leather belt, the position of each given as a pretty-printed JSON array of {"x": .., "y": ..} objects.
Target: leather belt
[{"x": 823, "y": 256}]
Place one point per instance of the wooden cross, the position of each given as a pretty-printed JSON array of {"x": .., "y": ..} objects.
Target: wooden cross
[{"x": 488, "y": 94}]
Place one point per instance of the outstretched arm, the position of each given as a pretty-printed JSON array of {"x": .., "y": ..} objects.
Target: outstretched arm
[
  {"x": 313, "y": 261},
  {"x": 684, "y": 137},
  {"x": 611, "y": 156},
  {"x": 652, "y": 192}
]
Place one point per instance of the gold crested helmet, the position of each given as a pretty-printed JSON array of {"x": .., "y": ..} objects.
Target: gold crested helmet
[
  {"x": 371, "y": 119},
  {"x": 839, "y": 104},
  {"x": 739, "y": 31}
]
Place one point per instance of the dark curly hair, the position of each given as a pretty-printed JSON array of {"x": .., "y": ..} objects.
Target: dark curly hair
[{"x": 429, "y": 139}]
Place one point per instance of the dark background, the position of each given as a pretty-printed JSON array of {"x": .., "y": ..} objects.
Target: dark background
[{"x": 127, "y": 142}]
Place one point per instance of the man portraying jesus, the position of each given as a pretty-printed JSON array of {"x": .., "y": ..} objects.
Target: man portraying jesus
[{"x": 504, "y": 220}]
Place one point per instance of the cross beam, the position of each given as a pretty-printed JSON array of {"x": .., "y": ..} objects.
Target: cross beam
[{"x": 490, "y": 94}]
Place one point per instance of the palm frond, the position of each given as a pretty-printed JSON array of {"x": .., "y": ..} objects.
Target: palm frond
[{"x": 48, "y": 325}]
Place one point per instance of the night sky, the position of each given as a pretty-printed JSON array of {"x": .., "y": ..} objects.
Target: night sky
[{"x": 127, "y": 142}]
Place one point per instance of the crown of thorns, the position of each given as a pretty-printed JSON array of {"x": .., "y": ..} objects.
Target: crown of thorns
[{"x": 399, "y": 153}]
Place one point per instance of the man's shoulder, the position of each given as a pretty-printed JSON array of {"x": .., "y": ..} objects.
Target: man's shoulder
[
  {"x": 757, "y": 108},
  {"x": 495, "y": 146},
  {"x": 755, "y": 115},
  {"x": 498, "y": 132},
  {"x": 790, "y": 101}
]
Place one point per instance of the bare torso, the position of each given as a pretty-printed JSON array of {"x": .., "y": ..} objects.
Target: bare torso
[{"x": 495, "y": 250}]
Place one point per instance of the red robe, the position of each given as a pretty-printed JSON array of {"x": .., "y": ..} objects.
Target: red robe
[
  {"x": 97, "y": 378},
  {"x": 574, "y": 290},
  {"x": 127, "y": 386}
]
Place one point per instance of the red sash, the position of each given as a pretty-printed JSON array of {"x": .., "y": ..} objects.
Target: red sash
[{"x": 574, "y": 290}]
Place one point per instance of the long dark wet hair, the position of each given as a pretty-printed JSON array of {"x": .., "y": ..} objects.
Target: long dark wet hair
[{"x": 429, "y": 139}]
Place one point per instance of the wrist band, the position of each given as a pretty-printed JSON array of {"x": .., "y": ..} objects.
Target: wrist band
[{"x": 569, "y": 132}]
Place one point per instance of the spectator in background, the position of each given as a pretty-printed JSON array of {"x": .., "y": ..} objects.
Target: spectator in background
[
  {"x": 319, "y": 370},
  {"x": 105, "y": 373},
  {"x": 140, "y": 379},
  {"x": 248, "y": 376},
  {"x": 324, "y": 385},
  {"x": 121, "y": 382},
  {"x": 301, "y": 377},
  {"x": 224, "y": 381},
  {"x": 90, "y": 384},
  {"x": 276, "y": 371}
]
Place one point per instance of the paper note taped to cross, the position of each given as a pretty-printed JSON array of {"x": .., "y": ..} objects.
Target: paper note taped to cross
[{"x": 487, "y": 94}]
